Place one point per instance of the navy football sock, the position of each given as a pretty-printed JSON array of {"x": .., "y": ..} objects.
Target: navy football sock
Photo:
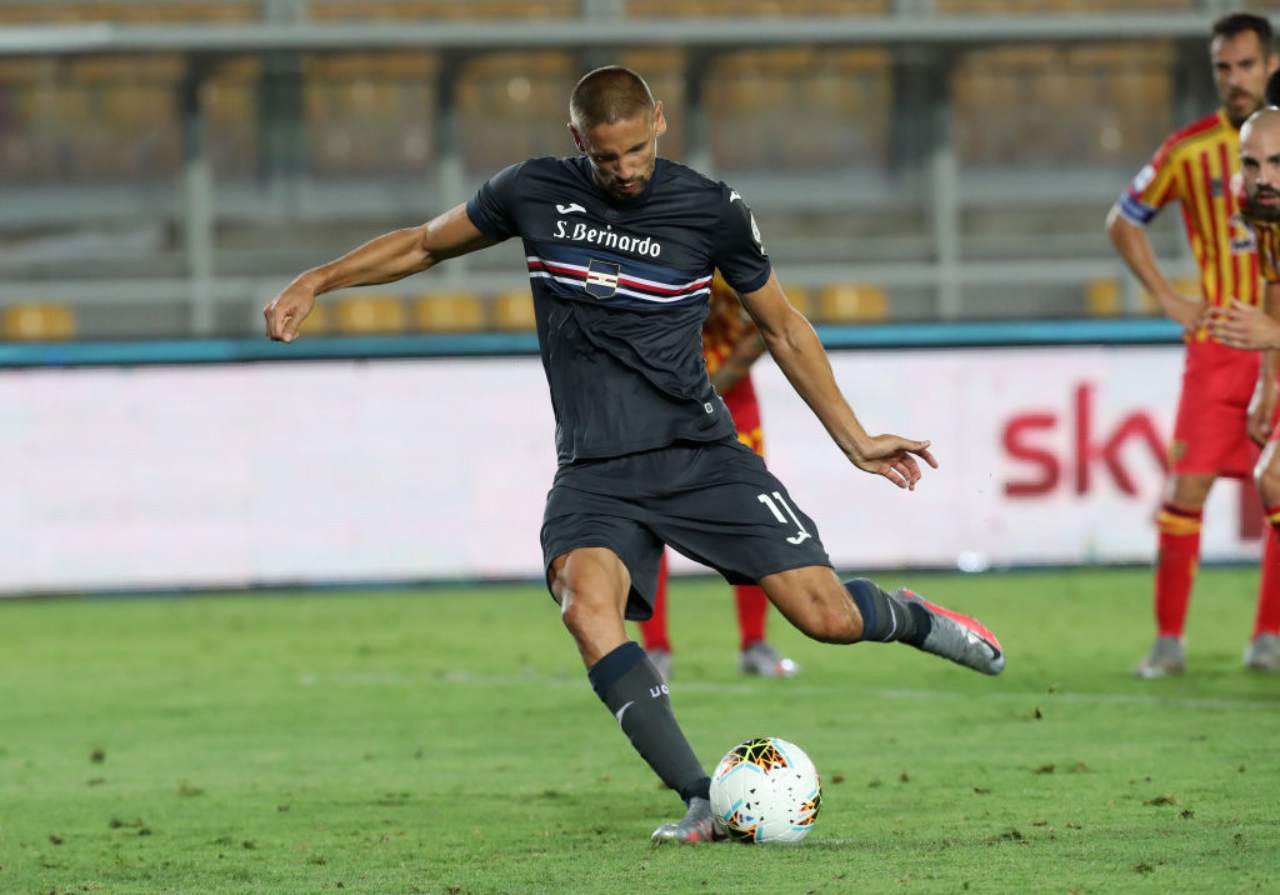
[
  {"x": 886, "y": 617},
  {"x": 626, "y": 681}
]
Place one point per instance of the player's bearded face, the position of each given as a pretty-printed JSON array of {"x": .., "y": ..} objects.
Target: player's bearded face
[
  {"x": 1260, "y": 166},
  {"x": 1241, "y": 66},
  {"x": 623, "y": 154}
]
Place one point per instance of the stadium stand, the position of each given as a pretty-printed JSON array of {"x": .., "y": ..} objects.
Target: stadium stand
[
  {"x": 39, "y": 322},
  {"x": 144, "y": 12},
  {"x": 512, "y": 106},
  {"x": 799, "y": 109},
  {"x": 370, "y": 114},
  {"x": 711, "y": 9},
  {"x": 369, "y": 314},
  {"x": 1032, "y": 7},
  {"x": 801, "y": 299},
  {"x": 513, "y": 311},
  {"x": 384, "y": 10},
  {"x": 449, "y": 312},
  {"x": 1105, "y": 298},
  {"x": 852, "y": 303},
  {"x": 231, "y": 103},
  {"x": 311, "y": 152},
  {"x": 1043, "y": 104}
]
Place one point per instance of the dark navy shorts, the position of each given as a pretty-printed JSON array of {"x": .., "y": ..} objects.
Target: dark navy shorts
[{"x": 714, "y": 502}]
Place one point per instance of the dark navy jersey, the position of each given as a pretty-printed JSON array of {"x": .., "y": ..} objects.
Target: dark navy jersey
[{"x": 620, "y": 291}]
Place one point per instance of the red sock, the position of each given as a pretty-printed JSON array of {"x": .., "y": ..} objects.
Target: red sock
[
  {"x": 1268, "y": 619},
  {"x": 654, "y": 631},
  {"x": 752, "y": 606},
  {"x": 1176, "y": 565}
]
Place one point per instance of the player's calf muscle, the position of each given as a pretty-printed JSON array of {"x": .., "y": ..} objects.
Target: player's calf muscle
[{"x": 816, "y": 603}]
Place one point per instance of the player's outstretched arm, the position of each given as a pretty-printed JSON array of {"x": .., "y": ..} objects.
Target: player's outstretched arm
[
  {"x": 392, "y": 256},
  {"x": 796, "y": 348},
  {"x": 1132, "y": 245}
]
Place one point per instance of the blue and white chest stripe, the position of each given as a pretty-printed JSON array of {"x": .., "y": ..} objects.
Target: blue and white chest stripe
[{"x": 610, "y": 276}]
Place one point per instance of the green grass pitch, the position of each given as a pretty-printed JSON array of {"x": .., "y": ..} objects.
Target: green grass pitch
[{"x": 446, "y": 741}]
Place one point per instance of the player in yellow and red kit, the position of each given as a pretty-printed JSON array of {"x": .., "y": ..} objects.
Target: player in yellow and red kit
[
  {"x": 1251, "y": 328},
  {"x": 730, "y": 345},
  {"x": 1216, "y": 410}
]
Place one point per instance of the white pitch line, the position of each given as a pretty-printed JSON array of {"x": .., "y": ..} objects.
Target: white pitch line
[{"x": 467, "y": 678}]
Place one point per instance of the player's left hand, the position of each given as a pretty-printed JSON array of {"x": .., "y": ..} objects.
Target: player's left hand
[
  {"x": 1262, "y": 410},
  {"x": 894, "y": 457},
  {"x": 1244, "y": 326}
]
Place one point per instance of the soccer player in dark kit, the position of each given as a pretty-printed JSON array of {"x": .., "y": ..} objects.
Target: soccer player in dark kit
[{"x": 621, "y": 246}]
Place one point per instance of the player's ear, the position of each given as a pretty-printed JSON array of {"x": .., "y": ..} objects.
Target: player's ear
[
  {"x": 577, "y": 137},
  {"x": 1273, "y": 62},
  {"x": 659, "y": 120}
]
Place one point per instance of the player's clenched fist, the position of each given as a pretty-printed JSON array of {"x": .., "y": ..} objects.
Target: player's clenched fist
[{"x": 287, "y": 310}]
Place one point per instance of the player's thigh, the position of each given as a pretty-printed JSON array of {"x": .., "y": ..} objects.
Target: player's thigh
[
  {"x": 1210, "y": 432},
  {"x": 813, "y": 599},
  {"x": 586, "y": 522},
  {"x": 732, "y": 514}
]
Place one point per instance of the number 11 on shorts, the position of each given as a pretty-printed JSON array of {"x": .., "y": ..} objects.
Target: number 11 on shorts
[{"x": 777, "y": 514}]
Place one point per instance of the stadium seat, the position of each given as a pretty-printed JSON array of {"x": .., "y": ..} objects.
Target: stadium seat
[
  {"x": 39, "y": 322},
  {"x": 1105, "y": 298},
  {"x": 1055, "y": 104},
  {"x": 513, "y": 310},
  {"x": 801, "y": 299},
  {"x": 362, "y": 10},
  {"x": 449, "y": 312},
  {"x": 512, "y": 106},
  {"x": 136, "y": 13},
  {"x": 716, "y": 9},
  {"x": 369, "y": 314},
  {"x": 320, "y": 322},
  {"x": 852, "y": 303},
  {"x": 370, "y": 113},
  {"x": 799, "y": 109},
  {"x": 230, "y": 102},
  {"x": 1032, "y": 7}
]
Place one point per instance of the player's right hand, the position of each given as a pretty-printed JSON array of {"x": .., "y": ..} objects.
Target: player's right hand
[
  {"x": 287, "y": 310},
  {"x": 892, "y": 457},
  {"x": 1262, "y": 410},
  {"x": 1189, "y": 313}
]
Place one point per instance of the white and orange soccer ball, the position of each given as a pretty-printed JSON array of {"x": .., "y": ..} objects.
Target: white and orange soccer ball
[{"x": 766, "y": 790}]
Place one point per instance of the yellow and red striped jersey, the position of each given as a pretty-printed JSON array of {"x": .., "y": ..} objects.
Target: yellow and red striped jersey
[
  {"x": 1268, "y": 237},
  {"x": 1195, "y": 166},
  {"x": 726, "y": 325}
]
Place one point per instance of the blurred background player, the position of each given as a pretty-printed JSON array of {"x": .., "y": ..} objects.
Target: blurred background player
[
  {"x": 730, "y": 345},
  {"x": 1218, "y": 410}
]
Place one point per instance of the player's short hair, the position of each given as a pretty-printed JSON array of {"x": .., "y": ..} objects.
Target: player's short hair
[
  {"x": 608, "y": 95},
  {"x": 1238, "y": 23},
  {"x": 1273, "y": 89}
]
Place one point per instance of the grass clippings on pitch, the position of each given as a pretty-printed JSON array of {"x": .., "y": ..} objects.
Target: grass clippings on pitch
[{"x": 447, "y": 742}]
